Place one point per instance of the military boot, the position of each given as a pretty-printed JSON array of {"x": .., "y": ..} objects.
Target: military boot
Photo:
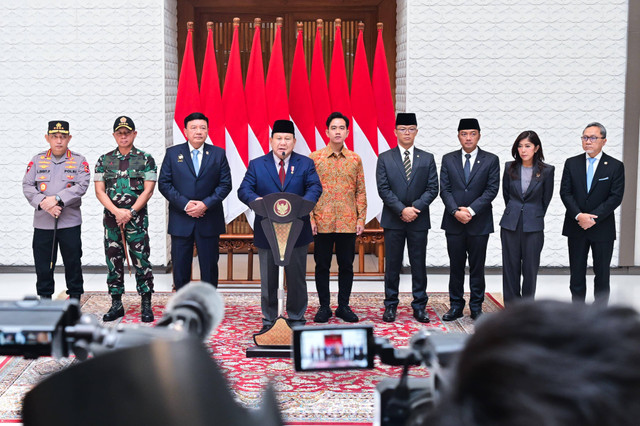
[
  {"x": 146, "y": 314},
  {"x": 116, "y": 311}
]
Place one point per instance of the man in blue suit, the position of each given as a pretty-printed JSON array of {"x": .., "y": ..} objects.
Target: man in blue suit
[
  {"x": 282, "y": 170},
  {"x": 195, "y": 178},
  {"x": 469, "y": 182}
]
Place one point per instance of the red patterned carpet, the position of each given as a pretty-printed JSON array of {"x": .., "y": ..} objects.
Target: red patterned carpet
[{"x": 319, "y": 398}]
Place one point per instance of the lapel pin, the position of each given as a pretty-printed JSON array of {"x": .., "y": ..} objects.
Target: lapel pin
[
  {"x": 180, "y": 158},
  {"x": 206, "y": 152},
  {"x": 537, "y": 175},
  {"x": 605, "y": 163},
  {"x": 292, "y": 169}
]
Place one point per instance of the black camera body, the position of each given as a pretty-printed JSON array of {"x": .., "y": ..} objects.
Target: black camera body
[
  {"x": 32, "y": 328},
  {"x": 337, "y": 347}
]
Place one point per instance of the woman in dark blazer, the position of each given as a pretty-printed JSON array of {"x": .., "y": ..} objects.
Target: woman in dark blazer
[{"x": 527, "y": 187}]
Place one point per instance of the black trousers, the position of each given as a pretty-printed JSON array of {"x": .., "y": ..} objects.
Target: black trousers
[
  {"x": 394, "y": 248},
  {"x": 602, "y": 252},
  {"x": 70, "y": 244},
  {"x": 296, "y": 283},
  {"x": 459, "y": 247},
  {"x": 345, "y": 244},
  {"x": 182, "y": 257},
  {"x": 520, "y": 256}
]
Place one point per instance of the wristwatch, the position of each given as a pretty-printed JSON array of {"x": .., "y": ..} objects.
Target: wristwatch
[
  {"x": 59, "y": 200},
  {"x": 134, "y": 213}
]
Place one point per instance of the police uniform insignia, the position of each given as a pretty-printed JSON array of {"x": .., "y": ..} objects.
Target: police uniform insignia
[
  {"x": 69, "y": 167},
  {"x": 69, "y": 185},
  {"x": 43, "y": 177},
  {"x": 44, "y": 167},
  {"x": 29, "y": 166},
  {"x": 43, "y": 187},
  {"x": 86, "y": 166},
  {"x": 69, "y": 177}
]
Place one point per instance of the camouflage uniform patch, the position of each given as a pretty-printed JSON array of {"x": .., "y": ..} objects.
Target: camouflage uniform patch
[{"x": 124, "y": 177}]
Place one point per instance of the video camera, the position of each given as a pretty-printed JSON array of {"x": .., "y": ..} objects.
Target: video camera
[{"x": 339, "y": 347}]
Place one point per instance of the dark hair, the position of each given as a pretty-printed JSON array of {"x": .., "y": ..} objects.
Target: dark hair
[
  {"x": 547, "y": 363},
  {"x": 603, "y": 130},
  {"x": 335, "y": 115},
  {"x": 195, "y": 116},
  {"x": 538, "y": 156}
]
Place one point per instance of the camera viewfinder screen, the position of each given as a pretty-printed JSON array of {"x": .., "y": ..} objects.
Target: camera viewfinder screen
[{"x": 334, "y": 349}]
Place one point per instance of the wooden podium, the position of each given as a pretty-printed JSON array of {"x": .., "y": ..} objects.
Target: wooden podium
[{"x": 281, "y": 223}]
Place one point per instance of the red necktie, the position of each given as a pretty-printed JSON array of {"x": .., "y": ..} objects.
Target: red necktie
[{"x": 281, "y": 174}]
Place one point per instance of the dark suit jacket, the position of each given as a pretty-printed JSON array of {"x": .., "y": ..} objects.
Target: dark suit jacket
[
  {"x": 533, "y": 204},
  {"x": 179, "y": 184},
  {"x": 262, "y": 179},
  {"x": 478, "y": 194},
  {"x": 607, "y": 189},
  {"x": 397, "y": 192}
]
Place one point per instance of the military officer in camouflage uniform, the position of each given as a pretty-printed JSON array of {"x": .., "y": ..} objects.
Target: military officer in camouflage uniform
[
  {"x": 125, "y": 179},
  {"x": 54, "y": 184}
]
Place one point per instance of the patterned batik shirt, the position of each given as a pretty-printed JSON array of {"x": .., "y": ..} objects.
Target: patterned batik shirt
[{"x": 343, "y": 203}]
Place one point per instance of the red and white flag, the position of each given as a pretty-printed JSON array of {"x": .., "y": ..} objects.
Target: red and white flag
[
  {"x": 364, "y": 128},
  {"x": 210, "y": 95},
  {"x": 300, "y": 102},
  {"x": 338, "y": 86},
  {"x": 276, "y": 87},
  {"x": 188, "y": 96},
  {"x": 319, "y": 91},
  {"x": 384, "y": 102},
  {"x": 256, "y": 99},
  {"x": 236, "y": 124}
]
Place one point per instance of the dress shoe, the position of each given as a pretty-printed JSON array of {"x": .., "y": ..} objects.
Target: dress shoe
[
  {"x": 75, "y": 296},
  {"x": 452, "y": 314},
  {"x": 345, "y": 313},
  {"x": 389, "y": 314},
  {"x": 45, "y": 297},
  {"x": 420, "y": 315},
  {"x": 146, "y": 313},
  {"x": 475, "y": 314},
  {"x": 116, "y": 311},
  {"x": 323, "y": 314}
]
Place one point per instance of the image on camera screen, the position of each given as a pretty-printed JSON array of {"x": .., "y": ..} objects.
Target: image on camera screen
[{"x": 334, "y": 349}]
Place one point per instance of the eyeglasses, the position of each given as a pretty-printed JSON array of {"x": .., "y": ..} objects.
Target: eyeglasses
[
  {"x": 590, "y": 138},
  {"x": 407, "y": 129}
]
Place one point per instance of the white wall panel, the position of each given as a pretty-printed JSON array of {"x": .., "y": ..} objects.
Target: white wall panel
[{"x": 547, "y": 65}]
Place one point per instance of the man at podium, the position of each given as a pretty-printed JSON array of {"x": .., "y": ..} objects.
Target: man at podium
[{"x": 282, "y": 170}]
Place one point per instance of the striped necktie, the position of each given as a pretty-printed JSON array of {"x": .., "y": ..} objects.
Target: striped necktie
[{"x": 407, "y": 164}]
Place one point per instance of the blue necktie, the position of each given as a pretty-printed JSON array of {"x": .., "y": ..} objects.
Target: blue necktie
[
  {"x": 590, "y": 173},
  {"x": 467, "y": 168},
  {"x": 196, "y": 163}
]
